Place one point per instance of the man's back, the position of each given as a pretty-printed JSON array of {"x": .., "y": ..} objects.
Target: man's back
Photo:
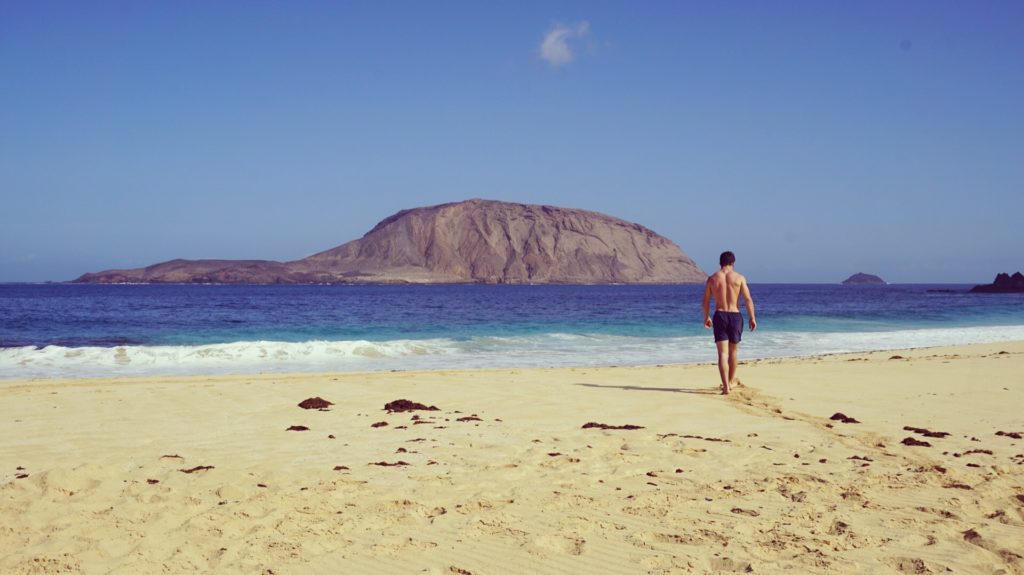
[{"x": 726, "y": 287}]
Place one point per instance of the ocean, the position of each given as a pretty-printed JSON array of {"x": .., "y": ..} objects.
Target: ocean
[{"x": 84, "y": 330}]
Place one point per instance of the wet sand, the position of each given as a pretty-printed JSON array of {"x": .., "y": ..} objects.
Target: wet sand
[{"x": 888, "y": 462}]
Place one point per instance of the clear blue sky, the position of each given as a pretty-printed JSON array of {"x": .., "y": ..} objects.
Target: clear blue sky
[{"x": 815, "y": 139}]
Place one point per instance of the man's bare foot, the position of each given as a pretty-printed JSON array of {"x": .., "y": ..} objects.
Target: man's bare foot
[
  {"x": 736, "y": 383},
  {"x": 725, "y": 391}
]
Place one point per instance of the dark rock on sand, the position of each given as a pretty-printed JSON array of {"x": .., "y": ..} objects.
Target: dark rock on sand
[
  {"x": 298, "y": 428},
  {"x": 315, "y": 403},
  {"x": 400, "y": 405},
  {"x": 914, "y": 442},
  {"x": 971, "y": 535},
  {"x": 1004, "y": 283},
  {"x": 839, "y": 416},
  {"x": 974, "y": 451}
]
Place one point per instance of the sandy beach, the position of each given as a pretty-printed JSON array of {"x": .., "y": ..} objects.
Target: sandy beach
[{"x": 887, "y": 462}]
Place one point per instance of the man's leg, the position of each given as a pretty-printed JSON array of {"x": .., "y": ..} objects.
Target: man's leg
[
  {"x": 734, "y": 352},
  {"x": 724, "y": 363}
]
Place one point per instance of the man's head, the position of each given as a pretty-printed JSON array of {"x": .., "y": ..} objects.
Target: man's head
[{"x": 726, "y": 259}]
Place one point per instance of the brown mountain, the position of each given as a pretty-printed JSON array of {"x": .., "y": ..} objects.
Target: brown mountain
[{"x": 476, "y": 241}]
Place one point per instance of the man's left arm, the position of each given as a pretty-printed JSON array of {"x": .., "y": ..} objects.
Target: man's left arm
[
  {"x": 707, "y": 304},
  {"x": 745, "y": 291}
]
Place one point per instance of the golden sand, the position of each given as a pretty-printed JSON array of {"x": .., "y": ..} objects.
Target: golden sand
[{"x": 505, "y": 479}]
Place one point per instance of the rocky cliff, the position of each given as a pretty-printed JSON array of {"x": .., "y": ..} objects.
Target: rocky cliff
[{"x": 476, "y": 241}]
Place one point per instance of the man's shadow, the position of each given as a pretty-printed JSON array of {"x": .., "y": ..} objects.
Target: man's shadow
[{"x": 697, "y": 391}]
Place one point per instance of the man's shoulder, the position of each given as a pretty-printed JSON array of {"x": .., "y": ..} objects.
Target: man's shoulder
[{"x": 717, "y": 277}]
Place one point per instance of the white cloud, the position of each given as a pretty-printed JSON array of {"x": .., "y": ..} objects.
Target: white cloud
[{"x": 555, "y": 46}]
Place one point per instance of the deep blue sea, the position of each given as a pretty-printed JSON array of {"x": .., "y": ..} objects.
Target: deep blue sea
[{"x": 58, "y": 330}]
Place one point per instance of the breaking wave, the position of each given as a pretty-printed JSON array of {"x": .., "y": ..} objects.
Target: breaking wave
[{"x": 538, "y": 350}]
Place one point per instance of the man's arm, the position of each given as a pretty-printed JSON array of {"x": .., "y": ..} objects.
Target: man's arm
[
  {"x": 745, "y": 292},
  {"x": 707, "y": 303}
]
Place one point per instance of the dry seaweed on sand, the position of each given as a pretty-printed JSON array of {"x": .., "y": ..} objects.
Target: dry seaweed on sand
[
  {"x": 196, "y": 468},
  {"x": 593, "y": 425},
  {"x": 400, "y": 405},
  {"x": 925, "y": 432}
]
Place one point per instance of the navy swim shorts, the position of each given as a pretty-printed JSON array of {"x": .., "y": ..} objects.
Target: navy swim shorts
[{"x": 728, "y": 326}]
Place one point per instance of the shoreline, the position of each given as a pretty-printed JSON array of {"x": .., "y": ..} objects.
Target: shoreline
[
  {"x": 202, "y": 472},
  {"x": 456, "y": 370}
]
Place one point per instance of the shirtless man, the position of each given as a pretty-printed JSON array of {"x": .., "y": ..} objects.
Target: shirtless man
[{"x": 726, "y": 286}]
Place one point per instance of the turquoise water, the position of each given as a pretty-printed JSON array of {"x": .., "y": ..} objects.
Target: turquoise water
[{"x": 70, "y": 330}]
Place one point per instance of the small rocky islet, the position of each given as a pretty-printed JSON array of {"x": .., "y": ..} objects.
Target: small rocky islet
[
  {"x": 864, "y": 279},
  {"x": 1004, "y": 283}
]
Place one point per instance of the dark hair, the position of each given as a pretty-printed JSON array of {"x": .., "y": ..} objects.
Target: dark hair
[{"x": 726, "y": 259}]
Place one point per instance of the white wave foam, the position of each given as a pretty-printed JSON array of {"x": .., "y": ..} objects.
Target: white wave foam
[
  {"x": 768, "y": 344},
  {"x": 543, "y": 350},
  {"x": 239, "y": 357}
]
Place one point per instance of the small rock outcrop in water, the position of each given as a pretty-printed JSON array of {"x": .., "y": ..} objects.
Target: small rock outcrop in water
[
  {"x": 1005, "y": 283},
  {"x": 476, "y": 241},
  {"x": 863, "y": 279}
]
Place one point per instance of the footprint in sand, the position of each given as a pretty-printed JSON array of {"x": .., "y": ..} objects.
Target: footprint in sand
[
  {"x": 733, "y": 565},
  {"x": 1013, "y": 558},
  {"x": 548, "y": 544},
  {"x": 911, "y": 565},
  {"x": 649, "y": 539}
]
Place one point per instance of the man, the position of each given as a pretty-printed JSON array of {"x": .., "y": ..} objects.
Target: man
[{"x": 726, "y": 286}]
